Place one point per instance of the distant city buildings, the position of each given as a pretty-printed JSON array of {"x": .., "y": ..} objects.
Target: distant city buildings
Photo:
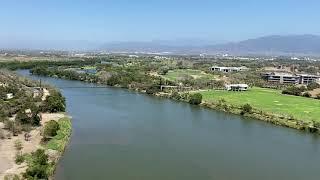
[{"x": 228, "y": 69}]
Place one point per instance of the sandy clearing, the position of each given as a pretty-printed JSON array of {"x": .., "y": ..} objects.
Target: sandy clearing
[{"x": 315, "y": 92}]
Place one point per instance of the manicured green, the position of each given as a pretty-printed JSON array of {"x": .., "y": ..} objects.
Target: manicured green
[
  {"x": 59, "y": 141},
  {"x": 88, "y": 67},
  {"x": 176, "y": 74},
  {"x": 271, "y": 101}
]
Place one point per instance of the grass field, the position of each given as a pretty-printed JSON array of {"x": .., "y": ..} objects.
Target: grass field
[
  {"x": 271, "y": 101},
  {"x": 177, "y": 74}
]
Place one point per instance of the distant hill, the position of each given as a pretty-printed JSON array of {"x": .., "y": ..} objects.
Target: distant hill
[
  {"x": 293, "y": 44},
  {"x": 268, "y": 45}
]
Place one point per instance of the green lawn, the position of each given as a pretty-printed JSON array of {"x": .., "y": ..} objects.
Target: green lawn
[
  {"x": 177, "y": 74},
  {"x": 271, "y": 101}
]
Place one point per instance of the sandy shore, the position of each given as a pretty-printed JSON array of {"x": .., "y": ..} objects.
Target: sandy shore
[{"x": 8, "y": 151}]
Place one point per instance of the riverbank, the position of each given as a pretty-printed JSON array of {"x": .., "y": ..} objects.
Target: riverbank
[
  {"x": 282, "y": 118},
  {"x": 8, "y": 152},
  {"x": 276, "y": 119}
]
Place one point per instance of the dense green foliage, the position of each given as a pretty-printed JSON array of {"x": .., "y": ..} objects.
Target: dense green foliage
[
  {"x": 38, "y": 167},
  {"x": 293, "y": 90},
  {"x": 50, "y": 129},
  {"x": 19, "y": 158},
  {"x": 60, "y": 140},
  {"x": 247, "y": 108},
  {"x": 54, "y": 103},
  {"x": 313, "y": 86},
  {"x": 195, "y": 98},
  {"x": 14, "y": 65}
]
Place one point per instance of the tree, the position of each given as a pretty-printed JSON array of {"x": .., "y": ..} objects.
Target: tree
[
  {"x": 39, "y": 167},
  {"x": 22, "y": 117},
  {"x": 247, "y": 108},
  {"x": 195, "y": 99},
  {"x": 51, "y": 129},
  {"x": 54, "y": 103}
]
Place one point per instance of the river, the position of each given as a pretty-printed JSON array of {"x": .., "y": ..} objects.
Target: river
[{"x": 124, "y": 135}]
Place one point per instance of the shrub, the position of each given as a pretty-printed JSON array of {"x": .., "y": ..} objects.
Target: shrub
[
  {"x": 18, "y": 145},
  {"x": 296, "y": 91},
  {"x": 175, "y": 95},
  {"x": 12, "y": 177},
  {"x": 195, "y": 98},
  {"x": 313, "y": 86},
  {"x": 38, "y": 168},
  {"x": 2, "y": 135},
  {"x": 19, "y": 158},
  {"x": 51, "y": 129},
  {"x": 54, "y": 103},
  {"x": 306, "y": 94},
  {"x": 13, "y": 127},
  {"x": 152, "y": 90},
  {"x": 247, "y": 108},
  {"x": 318, "y": 96}
]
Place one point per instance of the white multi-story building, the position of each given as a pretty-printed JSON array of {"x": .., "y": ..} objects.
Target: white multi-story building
[{"x": 228, "y": 69}]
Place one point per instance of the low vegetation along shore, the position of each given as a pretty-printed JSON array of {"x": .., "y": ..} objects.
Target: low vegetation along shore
[
  {"x": 34, "y": 131},
  {"x": 195, "y": 81}
]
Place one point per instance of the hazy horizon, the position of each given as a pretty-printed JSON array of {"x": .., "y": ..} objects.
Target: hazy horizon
[{"x": 101, "y": 21}]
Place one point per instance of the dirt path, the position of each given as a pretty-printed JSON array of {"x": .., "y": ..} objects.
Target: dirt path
[{"x": 8, "y": 151}]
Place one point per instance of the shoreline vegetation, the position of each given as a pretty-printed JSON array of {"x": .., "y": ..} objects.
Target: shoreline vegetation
[
  {"x": 34, "y": 130},
  {"x": 219, "y": 103},
  {"x": 179, "y": 78}
]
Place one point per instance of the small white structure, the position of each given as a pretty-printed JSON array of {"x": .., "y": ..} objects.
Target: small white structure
[
  {"x": 9, "y": 96},
  {"x": 237, "y": 87},
  {"x": 36, "y": 93},
  {"x": 228, "y": 69}
]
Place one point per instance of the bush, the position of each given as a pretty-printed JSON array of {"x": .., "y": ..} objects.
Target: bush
[
  {"x": 2, "y": 135},
  {"x": 24, "y": 119},
  {"x": 51, "y": 129},
  {"x": 296, "y": 91},
  {"x": 152, "y": 90},
  {"x": 18, "y": 145},
  {"x": 54, "y": 103},
  {"x": 15, "y": 128},
  {"x": 12, "y": 177},
  {"x": 19, "y": 158},
  {"x": 306, "y": 94},
  {"x": 175, "y": 95},
  {"x": 318, "y": 96},
  {"x": 313, "y": 86},
  {"x": 247, "y": 108},
  {"x": 195, "y": 98},
  {"x": 38, "y": 168}
]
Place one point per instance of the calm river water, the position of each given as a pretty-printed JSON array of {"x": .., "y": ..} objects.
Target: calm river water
[{"x": 123, "y": 135}]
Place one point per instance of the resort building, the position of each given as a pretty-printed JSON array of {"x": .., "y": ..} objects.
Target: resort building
[
  {"x": 237, "y": 87},
  {"x": 286, "y": 78},
  {"x": 228, "y": 69},
  {"x": 307, "y": 78}
]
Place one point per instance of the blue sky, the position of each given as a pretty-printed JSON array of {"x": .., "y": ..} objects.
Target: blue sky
[{"x": 144, "y": 20}]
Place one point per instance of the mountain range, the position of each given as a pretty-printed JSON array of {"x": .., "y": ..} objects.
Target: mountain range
[{"x": 267, "y": 45}]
